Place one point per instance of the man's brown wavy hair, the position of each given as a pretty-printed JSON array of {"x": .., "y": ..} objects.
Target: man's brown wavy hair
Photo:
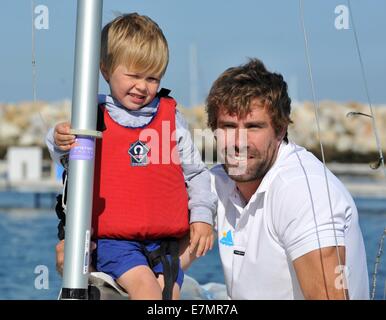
[{"x": 234, "y": 90}]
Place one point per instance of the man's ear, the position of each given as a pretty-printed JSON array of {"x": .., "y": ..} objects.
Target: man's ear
[
  {"x": 281, "y": 135},
  {"x": 104, "y": 72}
]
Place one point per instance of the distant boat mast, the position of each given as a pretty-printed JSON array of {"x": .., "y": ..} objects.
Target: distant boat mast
[
  {"x": 193, "y": 73},
  {"x": 33, "y": 58}
]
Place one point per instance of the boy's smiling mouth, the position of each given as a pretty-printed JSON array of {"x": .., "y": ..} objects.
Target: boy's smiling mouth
[{"x": 137, "y": 96}]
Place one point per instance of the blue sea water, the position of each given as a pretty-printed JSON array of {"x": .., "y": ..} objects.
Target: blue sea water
[{"x": 28, "y": 239}]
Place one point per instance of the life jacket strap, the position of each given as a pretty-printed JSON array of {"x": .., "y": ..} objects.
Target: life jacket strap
[
  {"x": 170, "y": 268},
  {"x": 60, "y": 207}
]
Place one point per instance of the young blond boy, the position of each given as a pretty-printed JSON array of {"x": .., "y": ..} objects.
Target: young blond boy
[{"x": 143, "y": 186}]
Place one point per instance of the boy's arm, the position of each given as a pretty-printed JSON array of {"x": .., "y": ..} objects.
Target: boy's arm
[{"x": 202, "y": 201}]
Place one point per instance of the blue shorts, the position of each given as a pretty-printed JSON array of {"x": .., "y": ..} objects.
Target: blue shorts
[{"x": 115, "y": 257}]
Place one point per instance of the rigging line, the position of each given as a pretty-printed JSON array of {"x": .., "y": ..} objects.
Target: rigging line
[
  {"x": 364, "y": 78},
  {"x": 316, "y": 107},
  {"x": 33, "y": 53},
  {"x": 376, "y": 135},
  {"x": 377, "y": 261},
  {"x": 384, "y": 291}
]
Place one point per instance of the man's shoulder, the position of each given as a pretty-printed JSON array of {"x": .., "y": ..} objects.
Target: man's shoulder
[
  {"x": 302, "y": 171},
  {"x": 296, "y": 162},
  {"x": 298, "y": 169}
]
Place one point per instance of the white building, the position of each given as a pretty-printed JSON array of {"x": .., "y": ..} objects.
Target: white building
[{"x": 24, "y": 164}]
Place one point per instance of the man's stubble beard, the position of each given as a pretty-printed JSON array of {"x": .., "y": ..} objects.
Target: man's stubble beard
[{"x": 255, "y": 171}]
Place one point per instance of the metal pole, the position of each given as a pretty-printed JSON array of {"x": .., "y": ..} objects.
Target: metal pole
[{"x": 81, "y": 164}]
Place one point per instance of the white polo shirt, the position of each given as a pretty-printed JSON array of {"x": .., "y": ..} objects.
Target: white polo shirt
[{"x": 288, "y": 216}]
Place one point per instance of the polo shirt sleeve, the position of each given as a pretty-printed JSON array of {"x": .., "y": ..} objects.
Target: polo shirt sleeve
[{"x": 302, "y": 218}]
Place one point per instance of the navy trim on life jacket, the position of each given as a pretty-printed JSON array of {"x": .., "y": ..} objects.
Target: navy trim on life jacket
[
  {"x": 101, "y": 126},
  {"x": 163, "y": 93},
  {"x": 100, "y": 119},
  {"x": 61, "y": 200}
]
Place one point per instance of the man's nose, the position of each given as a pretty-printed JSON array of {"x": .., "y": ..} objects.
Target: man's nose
[{"x": 240, "y": 138}]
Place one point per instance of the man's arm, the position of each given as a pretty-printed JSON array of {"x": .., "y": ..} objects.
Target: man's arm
[
  {"x": 319, "y": 274},
  {"x": 59, "y": 248},
  {"x": 186, "y": 257},
  {"x": 303, "y": 224}
]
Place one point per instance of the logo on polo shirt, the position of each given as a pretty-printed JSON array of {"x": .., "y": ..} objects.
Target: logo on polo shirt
[
  {"x": 227, "y": 238},
  {"x": 138, "y": 153}
]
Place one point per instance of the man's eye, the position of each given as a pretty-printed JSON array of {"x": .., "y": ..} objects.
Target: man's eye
[{"x": 254, "y": 126}]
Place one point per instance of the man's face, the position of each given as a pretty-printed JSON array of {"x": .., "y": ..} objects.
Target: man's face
[{"x": 248, "y": 146}]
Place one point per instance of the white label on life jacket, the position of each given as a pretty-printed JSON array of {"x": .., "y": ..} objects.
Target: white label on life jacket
[{"x": 86, "y": 252}]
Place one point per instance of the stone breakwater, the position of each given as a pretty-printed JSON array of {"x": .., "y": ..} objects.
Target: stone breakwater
[{"x": 26, "y": 124}]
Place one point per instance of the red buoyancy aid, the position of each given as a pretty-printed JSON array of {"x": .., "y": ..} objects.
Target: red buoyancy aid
[{"x": 139, "y": 187}]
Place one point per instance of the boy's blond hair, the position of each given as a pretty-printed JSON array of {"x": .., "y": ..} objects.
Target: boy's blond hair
[{"x": 136, "y": 42}]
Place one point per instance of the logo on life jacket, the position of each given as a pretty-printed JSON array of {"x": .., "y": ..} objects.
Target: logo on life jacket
[{"x": 138, "y": 153}]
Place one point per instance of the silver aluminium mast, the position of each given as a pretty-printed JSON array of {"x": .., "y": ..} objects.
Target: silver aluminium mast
[{"x": 81, "y": 159}]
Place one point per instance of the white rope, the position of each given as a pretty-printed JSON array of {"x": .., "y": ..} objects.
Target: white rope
[
  {"x": 364, "y": 78},
  {"x": 384, "y": 291},
  {"x": 377, "y": 262},
  {"x": 60, "y": 295},
  {"x": 316, "y": 107},
  {"x": 377, "y": 140},
  {"x": 33, "y": 53}
]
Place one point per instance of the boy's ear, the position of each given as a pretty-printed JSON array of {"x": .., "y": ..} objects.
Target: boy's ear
[{"x": 104, "y": 72}]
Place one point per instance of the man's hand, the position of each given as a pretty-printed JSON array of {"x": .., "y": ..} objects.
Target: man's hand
[
  {"x": 201, "y": 238},
  {"x": 62, "y": 137},
  {"x": 60, "y": 256},
  {"x": 186, "y": 258}
]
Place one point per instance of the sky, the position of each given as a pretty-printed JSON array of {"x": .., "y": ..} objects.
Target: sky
[{"x": 222, "y": 33}]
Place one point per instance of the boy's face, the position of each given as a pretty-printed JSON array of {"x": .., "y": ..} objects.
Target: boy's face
[{"x": 131, "y": 88}]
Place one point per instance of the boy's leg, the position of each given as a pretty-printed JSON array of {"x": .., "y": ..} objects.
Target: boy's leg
[
  {"x": 141, "y": 284},
  {"x": 176, "y": 287}
]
